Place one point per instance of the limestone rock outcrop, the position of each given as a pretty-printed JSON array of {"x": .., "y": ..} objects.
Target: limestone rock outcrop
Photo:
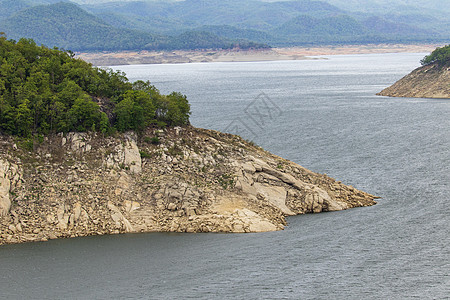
[
  {"x": 179, "y": 179},
  {"x": 9, "y": 178},
  {"x": 126, "y": 155}
]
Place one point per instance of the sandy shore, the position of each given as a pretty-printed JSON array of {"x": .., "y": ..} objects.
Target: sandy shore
[{"x": 294, "y": 53}]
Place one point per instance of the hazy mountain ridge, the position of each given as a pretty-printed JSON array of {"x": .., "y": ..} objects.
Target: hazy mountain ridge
[
  {"x": 388, "y": 5},
  {"x": 10, "y": 7},
  {"x": 192, "y": 24},
  {"x": 277, "y": 21},
  {"x": 66, "y": 25}
]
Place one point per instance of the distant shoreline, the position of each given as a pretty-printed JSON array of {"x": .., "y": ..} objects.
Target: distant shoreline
[{"x": 274, "y": 54}]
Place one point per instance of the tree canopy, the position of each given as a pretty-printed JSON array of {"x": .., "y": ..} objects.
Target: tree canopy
[
  {"x": 45, "y": 90},
  {"x": 440, "y": 56}
]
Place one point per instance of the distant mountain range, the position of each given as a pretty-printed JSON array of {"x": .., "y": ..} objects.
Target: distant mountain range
[
  {"x": 397, "y": 6},
  {"x": 198, "y": 24}
]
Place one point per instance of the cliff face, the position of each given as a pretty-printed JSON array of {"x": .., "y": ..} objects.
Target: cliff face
[
  {"x": 430, "y": 81},
  {"x": 180, "y": 180}
]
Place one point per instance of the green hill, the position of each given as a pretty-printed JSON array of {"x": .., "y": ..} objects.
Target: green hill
[
  {"x": 190, "y": 14},
  {"x": 46, "y": 90},
  {"x": 341, "y": 25},
  {"x": 10, "y": 7},
  {"x": 199, "y": 24},
  {"x": 68, "y": 26},
  {"x": 382, "y": 26},
  {"x": 276, "y": 23},
  {"x": 232, "y": 32},
  {"x": 391, "y": 5}
]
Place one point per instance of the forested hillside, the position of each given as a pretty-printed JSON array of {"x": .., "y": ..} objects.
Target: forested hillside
[
  {"x": 68, "y": 26},
  {"x": 46, "y": 90},
  {"x": 10, "y": 7},
  {"x": 276, "y": 23},
  {"x": 426, "y": 6},
  {"x": 219, "y": 24}
]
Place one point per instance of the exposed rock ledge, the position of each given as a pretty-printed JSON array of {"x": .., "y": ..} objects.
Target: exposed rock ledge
[
  {"x": 194, "y": 180},
  {"x": 431, "y": 81}
]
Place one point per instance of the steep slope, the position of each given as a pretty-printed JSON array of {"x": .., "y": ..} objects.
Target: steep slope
[
  {"x": 429, "y": 15},
  {"x": 179, "y": 179},
  {"x": 390, "y": 5},
  {"x": 340, "y": 25},
  {"x": 380, "y": 25},
  {"x": 189, "y": 14},
  {"x": 68, "y": 26},
  {"x": 10, "y": 7},
  {"x": 430, "y": 81},
  {"x": 200, "y": 24},
  {"x": 232, "y": 32},
  {"x": 283, "y": 22}
]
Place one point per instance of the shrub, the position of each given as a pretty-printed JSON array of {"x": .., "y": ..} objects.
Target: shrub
[
  {"x": 152, "y": 140},
  {"x": 226, "y": 181},
  {"x": 155, "y": 140},
  {"x": 145, "y": 154}
]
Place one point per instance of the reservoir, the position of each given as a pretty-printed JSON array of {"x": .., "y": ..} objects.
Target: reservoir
[{"x": 322, "y": 114}]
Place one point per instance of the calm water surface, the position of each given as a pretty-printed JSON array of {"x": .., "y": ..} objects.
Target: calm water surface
[{"x": 325, "y": 117}]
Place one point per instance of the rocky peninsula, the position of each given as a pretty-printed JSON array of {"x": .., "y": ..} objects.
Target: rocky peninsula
[
  {"x": 84, "y": 151},
  {"x": 432, "y": 80},
  {"x": 180, "y": 179},
  {"x": 429, "y": 81}
]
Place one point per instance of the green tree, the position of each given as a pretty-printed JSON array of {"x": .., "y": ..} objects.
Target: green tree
[
  {"x": 7, "y": 117},
  {"x": 58, "y": 117},
  {"x": 24, "y": 119},
  {"x": 68, "y": 91},
  {"x": 84, "y": 115},
  {"x": 135, "y": 111},
  {"x": 46, "y": 90},
  {"x": 441, "y": 56},
  {"x": 147, "y": 87},
  {"x": 178, "y": 109}
]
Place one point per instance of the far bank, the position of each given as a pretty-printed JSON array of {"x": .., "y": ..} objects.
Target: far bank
[{"x": 237, "y": 55}]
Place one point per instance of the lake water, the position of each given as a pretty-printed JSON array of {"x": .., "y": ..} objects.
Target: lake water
[{"x": 322, "y": 114}]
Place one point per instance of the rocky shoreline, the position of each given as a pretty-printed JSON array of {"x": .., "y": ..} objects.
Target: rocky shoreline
[
  {"x": 174, "y": 180},
  {"x": 430, "y": 81}
]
